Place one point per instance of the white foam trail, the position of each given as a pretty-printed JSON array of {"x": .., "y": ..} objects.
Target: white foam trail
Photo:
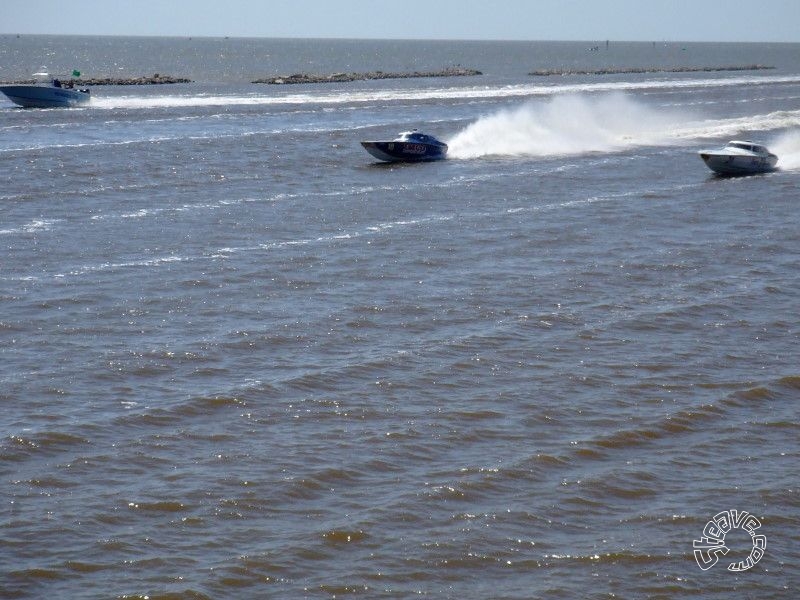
[
  {"x": 335, "y": 96},
  {"x": 787, "y": 147},
  {"x": 149, "y": 102},
  {"x": 722, "y": 128}
]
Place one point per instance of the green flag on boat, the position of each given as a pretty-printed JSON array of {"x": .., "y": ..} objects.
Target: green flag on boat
[{"x": 76, "y": 73}]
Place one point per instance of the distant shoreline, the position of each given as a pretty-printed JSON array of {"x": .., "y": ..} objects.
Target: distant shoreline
[
  {"x": 630, "y": 70},
  {"x": 299, "y": 78}
]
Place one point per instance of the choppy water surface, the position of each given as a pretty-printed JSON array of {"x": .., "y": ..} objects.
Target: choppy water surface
[{"x": 239, "y": 359}]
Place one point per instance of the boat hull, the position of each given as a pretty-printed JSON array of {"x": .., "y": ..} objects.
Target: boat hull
[
  {"x": 36, "y": 96},
  {"x": 735, "y": 164},
  {"x": 399, "y": 151}
]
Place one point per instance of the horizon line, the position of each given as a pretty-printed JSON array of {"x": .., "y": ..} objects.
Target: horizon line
[{"x": 373, "y": 39}]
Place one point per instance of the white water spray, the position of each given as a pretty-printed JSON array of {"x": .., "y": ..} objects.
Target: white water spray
[
  {"x": 566, "y": 125},
  {"x": 787, "y": 147}
]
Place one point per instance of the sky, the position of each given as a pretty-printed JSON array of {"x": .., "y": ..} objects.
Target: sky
[{"x": 620, "y": 20}]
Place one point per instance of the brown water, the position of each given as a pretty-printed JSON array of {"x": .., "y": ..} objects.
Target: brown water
[{"x": 238, "y": 359}]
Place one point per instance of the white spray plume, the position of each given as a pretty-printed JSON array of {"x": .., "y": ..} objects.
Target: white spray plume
[
  {"x": 787, "y": 147},
  {"x": 566, "y": 125}
]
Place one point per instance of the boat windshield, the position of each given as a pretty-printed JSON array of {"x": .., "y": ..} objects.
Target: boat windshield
[
  {"x": 749, "y": 147},
  {"x": 412, "y": 135}
]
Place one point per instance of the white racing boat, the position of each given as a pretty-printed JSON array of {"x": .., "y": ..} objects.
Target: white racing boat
[{"x": 740, "y": 158}]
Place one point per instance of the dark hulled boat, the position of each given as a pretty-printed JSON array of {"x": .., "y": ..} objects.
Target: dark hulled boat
[{"x": 409, "y": 146}]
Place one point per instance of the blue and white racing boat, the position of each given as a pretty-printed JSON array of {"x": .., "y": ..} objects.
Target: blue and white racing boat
[
  {"x": 409, "y": 146},
  {"x": 46, "y": 93}
]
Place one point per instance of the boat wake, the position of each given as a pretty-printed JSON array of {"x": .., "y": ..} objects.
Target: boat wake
[
  {"x": 579, "y": 124},
  {"x": 336, "y": 95},
  {"x": 185, "y": 101}
]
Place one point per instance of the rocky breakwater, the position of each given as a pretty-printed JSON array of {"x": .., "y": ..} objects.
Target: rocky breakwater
[
  {"x": 371, "y": 75},
  {"x": 155, "y": 79},
  {"x": 627, "y": 70},
  {"x": 86, "y": 82}
]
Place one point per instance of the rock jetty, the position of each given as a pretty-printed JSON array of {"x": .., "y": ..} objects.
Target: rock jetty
[
  {"x": 627, "y": 70},
  {"x": 155, "y": 79},
  {"x": 372, "y": 75}
]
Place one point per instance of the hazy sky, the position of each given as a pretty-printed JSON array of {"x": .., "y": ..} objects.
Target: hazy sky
[{"x": 648, "y": 20}]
